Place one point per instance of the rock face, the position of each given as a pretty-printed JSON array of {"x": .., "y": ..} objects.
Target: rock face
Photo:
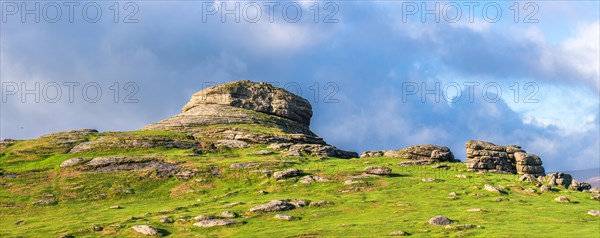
[
  {"x": 253, "y": 113},
  {"x": 427, "y": 152},
  {"x": 512, "y": 159}
]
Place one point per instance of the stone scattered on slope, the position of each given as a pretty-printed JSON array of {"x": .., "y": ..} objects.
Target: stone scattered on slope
[
  {"x": 595, "y": 213},
  {"x": 45, "y": 202},
  {"x": 378, "y": 170},
  {"x": 562, "y": 199},
  {"x": 145, "y": 230},
  {"x": 288, "y": 173},
  {"x": 460, "y": 227},
  {"x": 273, "y": 206},
  {"x": 215, "y": 222},
  {"x": 72, "y": 162},
  {"x": 312, "y": 178},
  {"x": 440, "y": 221},
  {"x": 205, "y": 217},
  {"x": 229, "y": 214},
  {"x": 491, "y": 188},
  {"x": 285, "y": 217},
  {"x": 115, "y": 207},
  {"x": 398, "y": 233},
  {"x": 474, "y": 210}
]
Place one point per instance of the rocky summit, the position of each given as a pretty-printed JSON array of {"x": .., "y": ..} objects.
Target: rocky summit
[{"x": 242, "y": 110}]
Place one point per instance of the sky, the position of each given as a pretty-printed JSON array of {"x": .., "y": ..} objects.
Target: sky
[{"x": 379, "y": 74}]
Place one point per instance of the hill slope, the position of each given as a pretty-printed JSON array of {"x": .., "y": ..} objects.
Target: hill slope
[{"x": 174, "y": 175}]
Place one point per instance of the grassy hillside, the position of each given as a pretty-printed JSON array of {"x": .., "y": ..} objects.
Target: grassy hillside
[{"x": 372, "y": 207}]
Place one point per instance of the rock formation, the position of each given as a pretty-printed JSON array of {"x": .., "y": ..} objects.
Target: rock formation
[
  {"x": 512, "y": 159},
  {"x": 255, "y": 113},
  {"x": 427, "y": 153}
]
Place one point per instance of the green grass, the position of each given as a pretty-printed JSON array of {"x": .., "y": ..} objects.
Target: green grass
[{"x": 373, "y": 209}]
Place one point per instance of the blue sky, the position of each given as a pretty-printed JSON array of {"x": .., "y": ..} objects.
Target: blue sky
[{"x": 357, "y": 72}]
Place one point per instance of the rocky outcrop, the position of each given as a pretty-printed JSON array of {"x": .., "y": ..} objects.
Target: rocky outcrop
[
  {"x": 563, "y": 179},
  {"x": 529, "y": 164},
  {"x": 123, "y": 163},
  {"x": 426, "y": 152},
  {"x": 129, "y": 141},
  {"x": 482, "y": 155},
  {"x": 253, "y": 113}
]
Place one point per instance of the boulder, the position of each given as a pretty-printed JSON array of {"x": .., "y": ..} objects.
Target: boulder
[
  {"x": 378, "y": 170},
  {"x": 145, "y": 230},
  {"x": 205, "y": 217},
  {"x": 440, "y": 221},
  {"x": 273, "y": 206},
  {"x": 398, "y": 233},
  {"x": 562, "y": 199},
  {"x": 595, "y": 213},
  {"x": 579, "y": 186},
  {"x": 285, "y": 217},
  {"x": 288, "y": 173},
  {"x": 72, "y": 162},
  {"x": 215, "y": 222},
  {"x": 563, "y": 179},
  {"x": 229, "y": 214},
  {"x": 45, "y": 202}
]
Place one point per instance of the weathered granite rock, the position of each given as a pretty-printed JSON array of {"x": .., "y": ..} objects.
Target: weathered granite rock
[
  {"x": 378, "y": 170},
  {"x": 288, "y": 173},
  {"x": 71, "y": 162},
  {"x": 529, "y": 164},
  {"x": 562, "y": 179},
  {"x": 215, "y": 222},
  {"x": 130, "y": 163},
  {"x": 273, "y": 206},
  {"x": 145, "y": 230},
  {"x": 440, "y": 221},
  {"x": 482, "y": 155},
  {"x": 427, "y": 152}
]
